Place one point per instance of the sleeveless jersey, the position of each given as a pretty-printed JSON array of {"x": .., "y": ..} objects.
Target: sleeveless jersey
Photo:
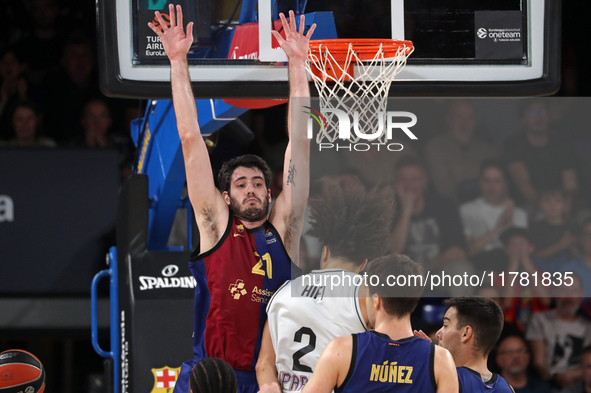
[
  {"x": 235, "y": 281},
  {"x": 304, "y": 315},
  {"x": 379, "y": 364},
  {"x": 471, "y": 382}
]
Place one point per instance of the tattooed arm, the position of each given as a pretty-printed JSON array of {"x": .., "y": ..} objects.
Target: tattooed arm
[{"x": 288, "y": 211}]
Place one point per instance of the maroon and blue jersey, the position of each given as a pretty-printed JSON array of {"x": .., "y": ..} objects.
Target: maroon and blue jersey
[
  {"x": 235, "y": 281},
  {"x": 379, "y": 364},
  {"x": 471, "y": 381}
]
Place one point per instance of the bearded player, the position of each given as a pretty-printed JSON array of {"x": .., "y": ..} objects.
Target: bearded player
[{"x": 242, "y": 257}]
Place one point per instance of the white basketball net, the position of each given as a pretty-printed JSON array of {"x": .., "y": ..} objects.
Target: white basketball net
[{"x": 364, "y": 94}]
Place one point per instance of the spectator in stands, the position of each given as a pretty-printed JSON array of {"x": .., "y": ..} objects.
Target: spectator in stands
[
  {"x": 427, "y": 227},
  {"x": 485, "y": 217},
  {"x": 576, "y": 133},
  {"x": 581, "y": 265},
  {"x": 554, "y": 238},
  {"x": 453, "y": 158},
  {"x": 42, "y": 46},
  {"x": 513, "y": 358},
  {"x": 75, "y": 83},
  {"x": 584, "y": 385},
  {"x": 25, "y": 123},
  {"x": 97, "y": 123},
  {"x": 557, "y": 337},
  {"x": 538, "y": 160},
  {"x": 519, "y": 302},
  {"x": 14, "y": 17},
  {"x": 13, "y": 87}
]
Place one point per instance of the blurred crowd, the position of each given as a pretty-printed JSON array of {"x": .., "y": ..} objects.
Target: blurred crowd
[
  {"x": 467, "y": 198},
  {"x": 469, "y": 202},
  {"x": 49, "y": 89}
]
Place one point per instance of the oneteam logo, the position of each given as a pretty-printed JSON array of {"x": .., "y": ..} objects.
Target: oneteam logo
[{"x": 500, "y": 34}]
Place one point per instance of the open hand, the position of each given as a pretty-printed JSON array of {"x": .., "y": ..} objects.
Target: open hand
[
  {"x": 174, "y": 40},
  {"x": 296, "y": 43},
  {"x": 421, "y": 334}
]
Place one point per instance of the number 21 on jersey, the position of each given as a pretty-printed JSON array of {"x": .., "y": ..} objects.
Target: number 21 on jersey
[{"x": 259, "y": 268}]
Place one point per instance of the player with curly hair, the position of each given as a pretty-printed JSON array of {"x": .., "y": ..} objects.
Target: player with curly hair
[{"x": 353, "y": 223}]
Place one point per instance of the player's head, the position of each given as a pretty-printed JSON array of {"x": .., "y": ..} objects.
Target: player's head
[
  {"x": 351, "y": 221},
  {"x": 394, "y": 284},
  {"x": 513, "y": 355},
  {"x": 212, "y": 375},
  {"x": 471, "y": 327},
  {"x": 245, "y": 182}
]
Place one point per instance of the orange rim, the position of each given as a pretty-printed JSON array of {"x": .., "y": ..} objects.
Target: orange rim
[{"x": 364, "y": 48}]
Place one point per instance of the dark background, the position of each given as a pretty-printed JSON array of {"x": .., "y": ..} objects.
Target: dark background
[{"x": 65, "y": 350}]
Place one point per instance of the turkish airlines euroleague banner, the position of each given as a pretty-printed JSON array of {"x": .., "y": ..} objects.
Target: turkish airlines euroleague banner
[
  {"x": 57, "y": 218},
  {"x": 147, "y": 45}
]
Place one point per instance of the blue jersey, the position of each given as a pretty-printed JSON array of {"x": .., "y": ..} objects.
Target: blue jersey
[
  {"x": 379, "y": 364},
  {"x": 471, "y": 382}
]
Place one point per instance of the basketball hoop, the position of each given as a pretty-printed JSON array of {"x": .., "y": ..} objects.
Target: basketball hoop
[{"x": 354, "y": 75}]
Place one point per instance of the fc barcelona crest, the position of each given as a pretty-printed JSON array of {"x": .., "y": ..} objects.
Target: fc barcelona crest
[{"x": 165, "y": 379}]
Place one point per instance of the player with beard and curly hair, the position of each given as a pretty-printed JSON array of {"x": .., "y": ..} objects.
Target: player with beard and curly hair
[{"x": 241, "y": 259}]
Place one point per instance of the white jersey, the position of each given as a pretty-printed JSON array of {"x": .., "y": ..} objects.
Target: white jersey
[{"x": 304, "y": 315}]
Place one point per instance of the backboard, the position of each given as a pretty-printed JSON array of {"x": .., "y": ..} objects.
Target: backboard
[{"x": 462, "y": 48}]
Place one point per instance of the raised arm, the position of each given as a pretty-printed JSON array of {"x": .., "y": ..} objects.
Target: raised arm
[
  {"x": 211, "y": 211},
  {"x": 288, "y": 211}
]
